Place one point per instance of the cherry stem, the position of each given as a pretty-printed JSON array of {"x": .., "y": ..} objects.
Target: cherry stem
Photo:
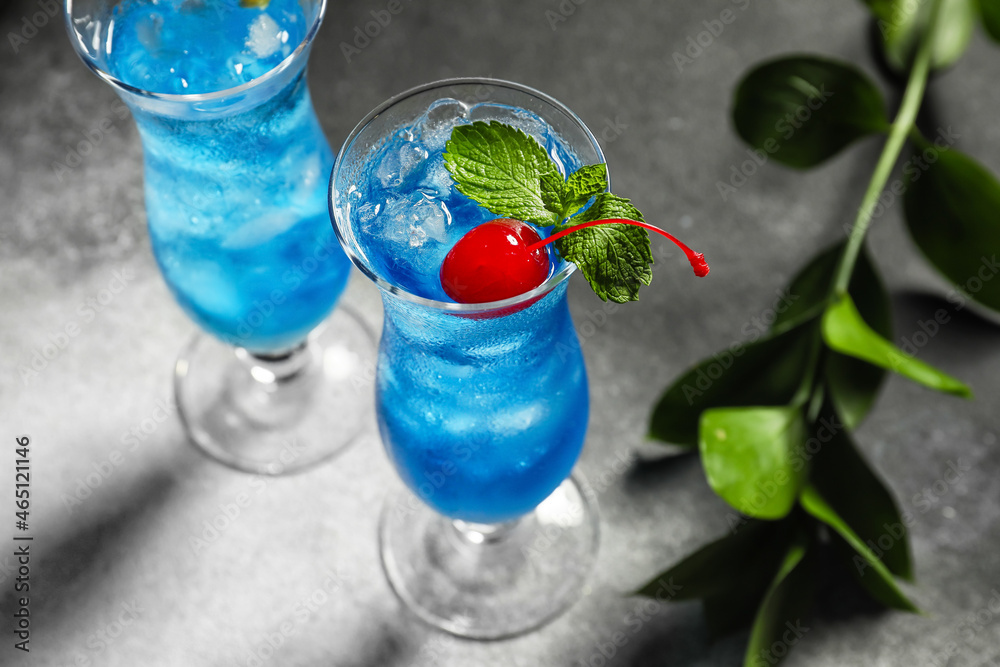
[{"x": 697, "y": 259}]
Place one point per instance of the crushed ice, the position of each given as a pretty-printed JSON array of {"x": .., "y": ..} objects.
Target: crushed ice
[{"x": 265, "y": 36}]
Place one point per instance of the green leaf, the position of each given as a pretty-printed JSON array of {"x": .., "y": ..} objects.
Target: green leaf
[
  {"x": 845, "y": 331},
  {"x": 720, "y": 565},
  {"x": 552, "y": 189},
  {"x": 953, "y": 214},
  {"x": 803, "y": 110},
  {"x": 882, "y": 9},
  {"x": 902, "y": 22},
  {"x": 583, "y": 184},
  {"x": 876, "y": 577},
  {"x": 853, "y": 490},
  {"x": 957, "y": 20},
  {"x": 735, "y": 607},
  {"x": 501, "y": 167},
  {"x": 753, "y": 457},
  {"x": 615, "y": 258},
  {"x": 788, "y": 599},
  {"x": 765, "y": 372},
  {"x": 565, "y": 198},
  {"x": 809, "y": 290},
  {"x": 989, "y": 11},
  {"x": 730, "y": 574},
  {"x": 852, "y": 384}
]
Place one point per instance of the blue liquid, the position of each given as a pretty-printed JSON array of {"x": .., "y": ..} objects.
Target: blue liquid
[
  {"x": 482, "y": 417},
  {"x": 236, "y": 204},
  {"x": 199, "y": 46}
]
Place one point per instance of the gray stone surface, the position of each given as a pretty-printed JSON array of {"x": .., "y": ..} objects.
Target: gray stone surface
[{"x": 63, "y": 234}]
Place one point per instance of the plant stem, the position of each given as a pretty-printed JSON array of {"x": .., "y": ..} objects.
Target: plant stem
[
  {"x": 812, "y": 381},
  {"x": 901, "y": 128}
]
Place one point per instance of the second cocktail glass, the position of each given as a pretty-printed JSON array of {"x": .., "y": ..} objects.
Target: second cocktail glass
[
  {"x": 236, "y": 167},
  {"x": 482, "y": 407}
]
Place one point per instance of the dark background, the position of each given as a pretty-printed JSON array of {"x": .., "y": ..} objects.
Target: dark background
[{"x": 668, "y": 140}]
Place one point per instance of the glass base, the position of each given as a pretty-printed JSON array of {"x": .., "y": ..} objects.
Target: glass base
[
  {"x": 489, "y": 581},
  {"x": 275, "y": 415}
]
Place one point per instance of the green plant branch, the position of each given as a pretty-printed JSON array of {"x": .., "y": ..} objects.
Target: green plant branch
[
  {"x": 806, "y": 392},
  {"x": 902, "y": 127}
]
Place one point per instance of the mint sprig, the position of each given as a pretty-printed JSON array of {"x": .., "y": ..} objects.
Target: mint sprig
[
  {"x": 501, "y": 167},
  {"x": 615, "y": 259},
  {"x": 511, "y": 175}
]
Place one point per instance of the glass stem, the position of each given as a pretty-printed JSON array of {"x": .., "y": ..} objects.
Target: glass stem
[
  {"x": 484, "y": 533},
  {"x": 274, "y": 369}
]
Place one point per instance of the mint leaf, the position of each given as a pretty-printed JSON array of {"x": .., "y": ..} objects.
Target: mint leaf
[
  {"x": 582, "y": 184},
  {"x": 615, "y": 259},
  {"x": 501, "y": 168},
  {"x": 566, "y": 197},
  {"x": 553, "y": 193}
]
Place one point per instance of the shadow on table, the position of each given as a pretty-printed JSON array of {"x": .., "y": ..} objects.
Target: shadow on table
[
  {"x": 961, "y": 322},
  {"x": 648, "y": 474},
  {"x": 387, "y": 647},
  {"x": 68, "y": 570},
  {"x": 400, "y": 640}
]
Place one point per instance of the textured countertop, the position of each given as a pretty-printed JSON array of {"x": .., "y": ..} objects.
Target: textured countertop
[{"x": 116, "y": 578}]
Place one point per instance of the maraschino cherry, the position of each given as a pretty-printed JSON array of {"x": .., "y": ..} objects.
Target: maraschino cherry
[
  {"x": 493, "y": 262},
  {"x": 502, "y": 258}
]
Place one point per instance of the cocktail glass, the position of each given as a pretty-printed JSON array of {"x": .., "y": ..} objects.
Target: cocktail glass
[
  {"x": 235, "y": 169},
  {"x": 482, "y": 408}
]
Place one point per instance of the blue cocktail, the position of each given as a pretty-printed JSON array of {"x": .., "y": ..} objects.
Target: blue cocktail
[
  {"x": 483, "y": 418},
  {"x": 482, "y": 408},
  {"x": 236, "y": 166},
  {"x": 234, "y": 201}
]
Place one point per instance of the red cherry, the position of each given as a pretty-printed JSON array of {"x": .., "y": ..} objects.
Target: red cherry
[{"x": 494, "y": 261}]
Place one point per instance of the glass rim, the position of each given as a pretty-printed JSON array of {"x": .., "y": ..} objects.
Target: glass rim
[
  {"x": 270, "y": 74},
  {"x": 551, "y": 283}
]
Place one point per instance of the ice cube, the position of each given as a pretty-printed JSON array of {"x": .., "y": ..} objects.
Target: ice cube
[
  {"x": 367, "y": 212},
  {"x": 392, "y": 224},
  {"x": 265, "y": 36},
  {"x": 437, "y": 179},
  {"x": 418, "y": 235},
  {"x": 399, "y": 163},
  {"x": 434, "y": 218},
  {"x": 437, "y": 123},
  {"x": 411, "y": 221}
]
